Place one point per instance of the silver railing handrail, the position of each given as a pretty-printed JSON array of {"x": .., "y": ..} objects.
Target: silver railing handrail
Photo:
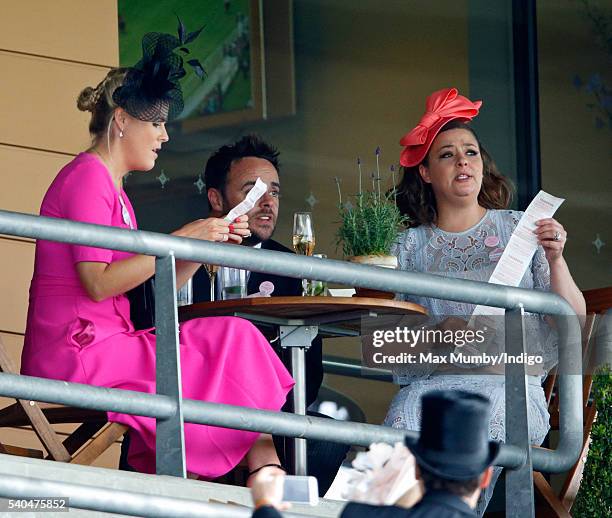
[
  {"x": 165, "y": 246},
  {"x": 268, "y": 261},
  {"x": 116, "y": 500},
  {"x": 215, "y": 414},
  {"x": 160, "y": 245}
]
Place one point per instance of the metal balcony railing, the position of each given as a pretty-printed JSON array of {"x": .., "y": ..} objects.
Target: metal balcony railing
[{"x": 171, "y": 411}]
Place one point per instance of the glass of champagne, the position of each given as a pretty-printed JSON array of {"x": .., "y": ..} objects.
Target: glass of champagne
[{"x": 303, "y": 237}]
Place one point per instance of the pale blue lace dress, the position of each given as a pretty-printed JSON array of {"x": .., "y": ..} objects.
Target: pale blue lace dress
[{"x": 466, "y": 255}]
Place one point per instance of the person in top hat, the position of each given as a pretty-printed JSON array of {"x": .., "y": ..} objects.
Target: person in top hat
[{"x": 453, "y": 458}]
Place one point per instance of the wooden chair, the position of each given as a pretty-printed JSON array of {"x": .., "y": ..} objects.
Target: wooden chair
[
  {"x": 548, "y": 502},
  {"x": 92, "y": 437}
]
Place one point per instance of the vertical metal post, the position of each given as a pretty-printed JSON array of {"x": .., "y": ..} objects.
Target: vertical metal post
[
  {"x": 298, "y": 370},
  {"x": 298, "y": 338},
  {"x": 170, "y": 437},
  {"x": 519, "y": 482}
]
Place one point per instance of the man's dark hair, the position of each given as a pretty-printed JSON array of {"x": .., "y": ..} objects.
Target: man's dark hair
[
  {"x": 219, "y": 164},
  {"x": 457, "y": 487}
]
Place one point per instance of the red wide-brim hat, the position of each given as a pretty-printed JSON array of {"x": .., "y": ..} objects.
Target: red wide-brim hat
[{"x": 440, "y": 107}]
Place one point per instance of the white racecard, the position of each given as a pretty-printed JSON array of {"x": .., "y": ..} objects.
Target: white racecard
[
  {"x": 258, "y": 190},
  {"x": 520, "y": 249}
]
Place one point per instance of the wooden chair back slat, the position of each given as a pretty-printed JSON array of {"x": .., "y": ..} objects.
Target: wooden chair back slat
[
  {"x": 598, "y": 301},
  {"x": 568, "y": 492},
  {"x": 39, "y": 422},
  {"x": 81, "y": 447}
]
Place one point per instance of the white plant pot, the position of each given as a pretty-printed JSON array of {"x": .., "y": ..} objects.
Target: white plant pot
[{"x": 384, "y": 261}]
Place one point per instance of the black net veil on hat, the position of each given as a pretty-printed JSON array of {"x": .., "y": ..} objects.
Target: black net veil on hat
[{"x": 151, "y": 91}]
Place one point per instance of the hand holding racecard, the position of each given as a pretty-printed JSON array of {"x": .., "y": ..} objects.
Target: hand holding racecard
[
  {"x": 520, "y": 249},
  {"x": 258, "y": 190}
]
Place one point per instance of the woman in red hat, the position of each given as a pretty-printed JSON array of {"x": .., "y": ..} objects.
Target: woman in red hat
[{"x": 457, "y": 203}]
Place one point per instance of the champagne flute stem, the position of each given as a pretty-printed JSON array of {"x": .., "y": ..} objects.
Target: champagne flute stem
[{"x": 212, "y": 276}]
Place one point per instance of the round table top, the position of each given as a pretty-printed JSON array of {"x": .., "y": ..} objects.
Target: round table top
[{"x": 336, "y": 310}]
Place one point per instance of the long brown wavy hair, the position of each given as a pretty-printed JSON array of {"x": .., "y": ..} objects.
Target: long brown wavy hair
[{"x": 416, "y": 199}]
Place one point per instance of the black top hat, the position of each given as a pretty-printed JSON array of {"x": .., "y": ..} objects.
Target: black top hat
[{"x": 454, "y": 441}]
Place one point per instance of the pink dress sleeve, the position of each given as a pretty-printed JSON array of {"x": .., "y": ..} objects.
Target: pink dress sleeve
[{"x": 88, "y": 196}]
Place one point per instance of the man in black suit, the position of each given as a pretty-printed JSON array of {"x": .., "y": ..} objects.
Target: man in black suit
[
  {"x": 453, "y": 456},
  {"x": 230, "y": 173}
]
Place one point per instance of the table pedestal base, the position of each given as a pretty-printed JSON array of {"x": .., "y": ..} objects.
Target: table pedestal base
[{"x": 298, "y": 339}]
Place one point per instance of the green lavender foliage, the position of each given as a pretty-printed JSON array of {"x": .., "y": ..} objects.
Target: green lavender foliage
[
  {"x": 594, "y": 498},
  {"x": 371, "y": 226}
]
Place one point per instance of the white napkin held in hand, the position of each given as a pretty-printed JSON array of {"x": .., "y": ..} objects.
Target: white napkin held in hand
[{"x": 381, "y": 475}]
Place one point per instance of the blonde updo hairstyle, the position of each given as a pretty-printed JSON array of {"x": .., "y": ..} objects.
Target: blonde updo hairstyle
[{"x": 99, "y": 101}]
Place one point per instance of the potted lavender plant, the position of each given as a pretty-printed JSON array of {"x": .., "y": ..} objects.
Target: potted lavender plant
[{"x": 370, "y": 226}]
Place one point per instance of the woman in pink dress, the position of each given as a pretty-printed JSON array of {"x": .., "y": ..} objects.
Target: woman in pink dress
[{"x": 79, "y": 326}]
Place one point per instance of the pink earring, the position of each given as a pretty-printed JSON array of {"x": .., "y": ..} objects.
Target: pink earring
[{"x": 120, "y": 133}]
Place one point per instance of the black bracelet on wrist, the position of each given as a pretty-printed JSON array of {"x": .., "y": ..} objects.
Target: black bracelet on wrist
[{"x": 266, "y": 466}]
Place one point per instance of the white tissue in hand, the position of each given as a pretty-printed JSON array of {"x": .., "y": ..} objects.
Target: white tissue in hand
[
  {"x": 381, "y": 475},
  {"x": 375, "y": 458}
]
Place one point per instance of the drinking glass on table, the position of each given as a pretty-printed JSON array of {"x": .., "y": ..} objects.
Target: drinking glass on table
[
  {"x": 232, "y": 283},
  {"x": 313, "y": 287},
  {"x": 184, "y": 295},
  {"x": 303, "y": 237}
]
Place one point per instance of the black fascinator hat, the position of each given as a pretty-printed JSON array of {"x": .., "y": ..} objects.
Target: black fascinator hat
[{"x": 151, "y": 90}]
